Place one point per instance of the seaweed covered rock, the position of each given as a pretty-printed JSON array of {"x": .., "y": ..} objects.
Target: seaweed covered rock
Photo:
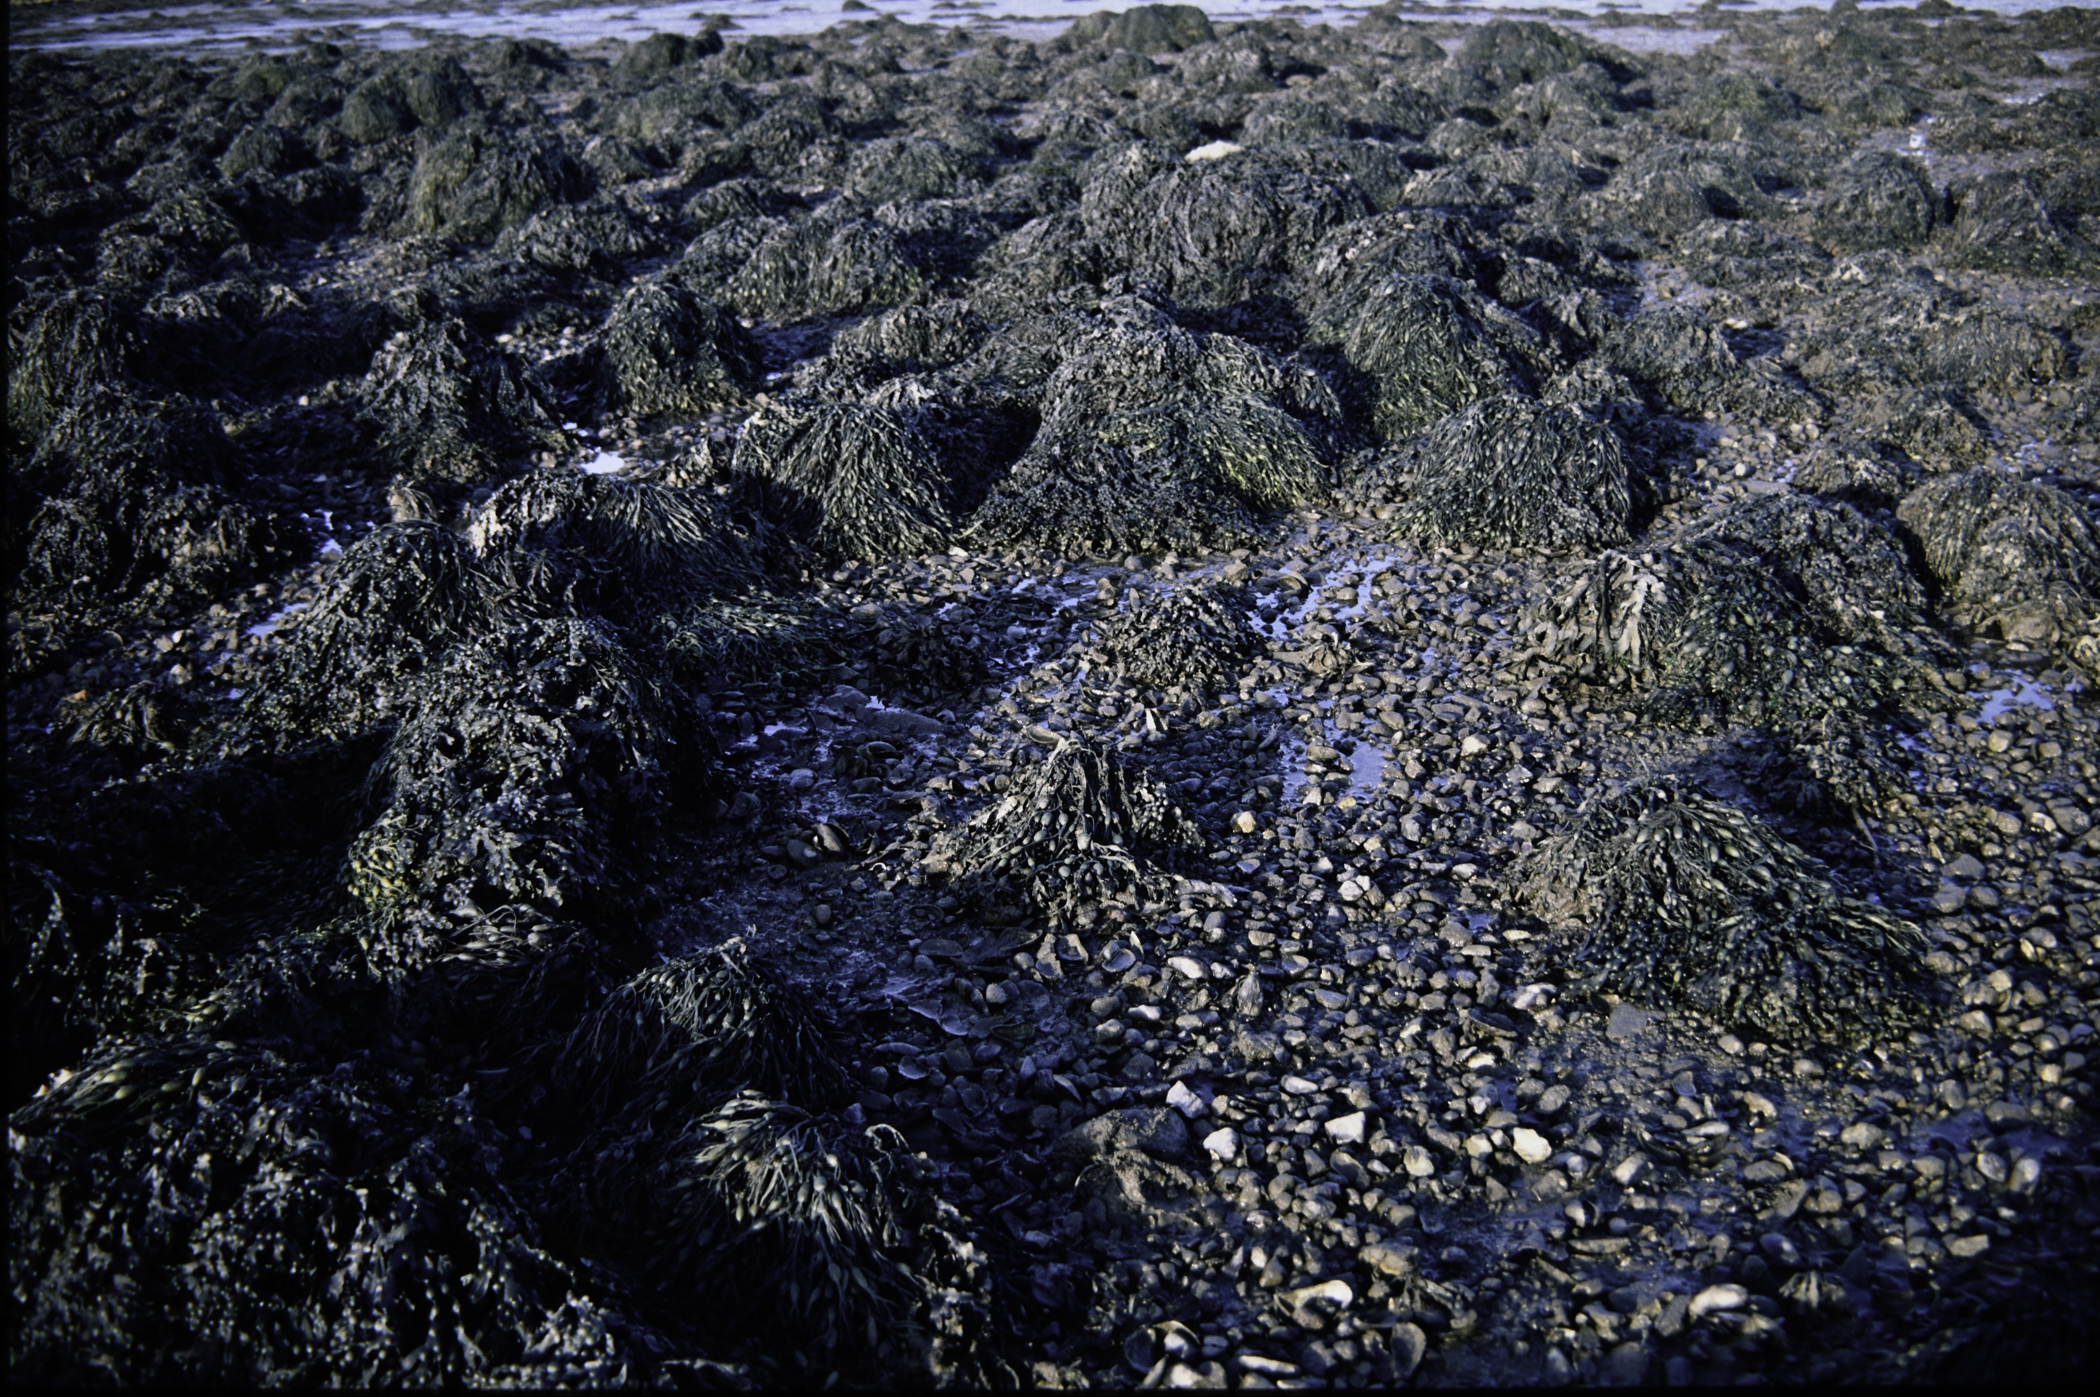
[
  {"x": 669, "y": 350},
  {"x": 528, "y": 760},
  {"x": 734, "y": 641},
  {"x": 1198, "y": 637},
  {"x": 1674, "y": 899},
  {"x": 1144, "y": 29},
  {"x": 474, "y": 182},
  {"x": 1674, "y": 349},
  {"x": 1766, "y": 617},
  {"x": 909, "y": 339},
  {"x": 1519, "y": 51},
  {"x": 594, "y": 238},
  {"x": 559, "y": 539},
  {"x": 1212, "y": 231},
  {"x": 76, "y": 341},
  {"x": 1422, "y": 347},
  {"x": 802, "y": 1230},
  {"x": 2013, "y": 556},
  {"x": 1155, "y": 437},
  {"x": 848, "y": 480},
  {"x": 1877, "y": 200},
  {"x": 705, "y": 1024},
  {"x": 1510, "y": 473},
  {"x": 907, "y": 167},
  {"x": 2004, "y": 222},
  {"x": 444, "y": 403},
  {"x": 825, "y": 265},
  {"x": 136, "y": 520},
  {"x": 1076, "y": 831},
  {"x": 395, "y": 600},
  {"x": 307, "y": 1220}
]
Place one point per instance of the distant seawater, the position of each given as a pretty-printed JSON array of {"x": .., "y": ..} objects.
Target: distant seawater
[{"x": 408, "y": 23}]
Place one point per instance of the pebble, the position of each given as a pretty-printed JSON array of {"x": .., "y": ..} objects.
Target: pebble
[
  {"x": 1532, "y": 1147},
  {"x": 1346, "y": 1130},
  {"x": 1716, "y": 1299}
]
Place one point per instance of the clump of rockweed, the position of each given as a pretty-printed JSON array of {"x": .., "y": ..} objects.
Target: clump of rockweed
[
  {"x": 800, "y": 1229},
  {"x": 395, "y": 601},
  {"x": 1513, "y": 473},
  {"x": 1769, "y": 616},
  {"x": 2013, "y": 556},
  {"x": 1152, "y": 436},
  {"x": 1421, "y": 347},
  {"x": 735, "y": 640},
  {"x": 1213, "y": 231},
  {"x": 257, "y": 1221},
  {"x": 1197, "y": 637},
  {"x": 557, "y": 539},
  {"x": 75, "y": 341},
  {"x": 569, "y": 238},
  {"x": 443, "y": 403},
  {"x": 147, "y": 718},
  {"x": 908, "y": 339},
  {"x": 1671, "y": 898},
  {"x": 825, "y": 265},
  {"x": 476, "y": 182},
  {"x": 669, "y": 350},
  {"x": 713, "y": 1023},
  {"x": 528, "y": 761},
  {"x": 1078, "y": 830},
  {"x": 854, "y": 481}
]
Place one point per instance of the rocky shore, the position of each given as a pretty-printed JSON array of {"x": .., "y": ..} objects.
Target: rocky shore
[{"x": 1196, "y": 705}]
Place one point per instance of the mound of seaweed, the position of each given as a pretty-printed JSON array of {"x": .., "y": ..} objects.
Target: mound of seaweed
[
  {"x": 1768, "y": 616},
  {"x": 708, "y": 1023},
  {"x": 187, "y": 1210},
  {"x": 1198, "y": 637},
  {"x": 1079, "y": 830},
  {"x": 74, "y": 342},
  {"x": 442, "y": 403},
  {"x": 848, "y": 480},
  {"x": 136, "y": 521},
  {"x": 1143, "y": 424},
  {"x": 1511, "y": 473},
  {"x": 795, "y": 1230},
  {"x": 2013, "y": 556},
  {"x": 561, "y": 540},
  {"x": 1212, "y": 232},
  {"x": 529, "y": 761},
  {"x": 668, "y": 350},
  {"x": 392, "y": 603},
  {"x": 1673, "y": 899},
  {"x": 1421, "y": 347}
]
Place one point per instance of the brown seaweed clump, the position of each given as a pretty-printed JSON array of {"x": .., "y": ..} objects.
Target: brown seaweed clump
[
  {"x": 1199, "y": 637},
  {"x": 1768, "y": 616},
  {"x": 444, "y": 404},
  {"x": 1079, "y": 830},
  {"x": 1677, "y": 900},
  {"x": 260, "y": 1221},
  {"x": 847, "y": 480},
  {"x": 669, "y": 350},
  {"x": 1510, "y": 473},
  {"x": 2013, "y": 556}
]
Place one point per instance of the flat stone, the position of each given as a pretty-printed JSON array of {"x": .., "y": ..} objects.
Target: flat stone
[
  {"x": 1185, "y": 1101},
  {"x": 1299, "y": 1086},
  {"x": 1966, "y": 1247},
  {"x": 1222, "y": 1143},
  {"x": 1347, "y": 1130},
  {"x": 1627, "y": 1022},
  {"x": 1531, "y": 1147},
  {"x": 1717, "y": 1298},
  {"x": 1314, "y": 1305},
  {"x": 1186, "y": 967},
  {"x": 1246, "y": 822},
  {"x": 1387, "y": 1260}
]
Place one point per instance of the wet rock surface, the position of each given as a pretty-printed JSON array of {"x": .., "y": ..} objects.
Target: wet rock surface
[{"x": 1202, "y": 704}]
